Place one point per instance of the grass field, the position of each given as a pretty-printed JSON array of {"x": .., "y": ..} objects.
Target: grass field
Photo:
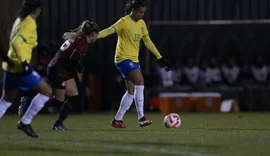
[{"x": 245, "y": 134}]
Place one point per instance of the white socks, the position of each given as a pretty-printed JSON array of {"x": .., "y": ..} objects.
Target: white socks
[
  {"x": 4, "y": 105},
  {"x": 35, "y": 106},
  {"x": 125, "y": 104},
  {"x": 139, "y": 100}
]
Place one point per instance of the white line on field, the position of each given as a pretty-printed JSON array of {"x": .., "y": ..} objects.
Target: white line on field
[
  {"x": 132, "y": 148},
  {"x": 144, "y": 149}
]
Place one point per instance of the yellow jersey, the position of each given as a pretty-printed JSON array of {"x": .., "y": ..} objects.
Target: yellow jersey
[
  {"x": 129, "y": 33},
  {"x": 23, "y": 39}
]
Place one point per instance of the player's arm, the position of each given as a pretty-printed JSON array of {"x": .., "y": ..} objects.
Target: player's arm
[
  {"x": 20, "y": 39},
  {"x": 79, "y": 51},
  {"x": 115, "y": 28},
  {"x": 106, "y": 32},
  {"x": 151, "y": 46},
  {"x": 17, "y": 43}
]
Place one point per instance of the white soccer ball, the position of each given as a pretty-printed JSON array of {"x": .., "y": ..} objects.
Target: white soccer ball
[{"x": 172, "y": 120}]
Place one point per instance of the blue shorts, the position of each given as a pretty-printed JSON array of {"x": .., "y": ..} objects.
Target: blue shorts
[
  {"x": 21, "y": 80},
  {"x": 127, "y": 66}
]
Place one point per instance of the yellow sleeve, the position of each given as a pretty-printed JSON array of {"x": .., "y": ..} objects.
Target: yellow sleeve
[
  {"x": 24, "y": 36},
  {"x": 145, "y": 30},
  {"x": 28, "y": 32},
  {"x": 119, "y": 25},
  {"x": 115, "y": 28},
  {"x": 17, "y": 44},
  {"x": 150, "y": 45},
  {"x": 106, "y": 32}
]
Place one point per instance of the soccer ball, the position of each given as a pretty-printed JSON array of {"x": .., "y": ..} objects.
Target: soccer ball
[{"x": 172, "y": 120}]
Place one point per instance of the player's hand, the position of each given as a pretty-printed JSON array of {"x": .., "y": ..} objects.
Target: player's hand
[
  {"x": 80, "y": 67},
  {"x": 27, "y": 69},
  {"x": 166, "y": 63}
]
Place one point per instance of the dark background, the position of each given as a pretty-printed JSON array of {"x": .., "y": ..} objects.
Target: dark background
[{"x": 167, "y": 21}]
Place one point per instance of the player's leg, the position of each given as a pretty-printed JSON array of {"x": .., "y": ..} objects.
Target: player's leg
[
  {"x": 34, "y": 81},
  {"x": 124, "y": 68},
  {"x": 58, "y": 86},
  {"x": 137, "y": 79},
  {"x": 58, "y": 101},
  {"x": 131, "y": 72},
  {"x": 8, "y": 95},
  {"x": 71, "y": 92},
  {"x": 10, "y": 90},
  {"x": 125, "y": 104},
  {"x": 25, "y": 103}
]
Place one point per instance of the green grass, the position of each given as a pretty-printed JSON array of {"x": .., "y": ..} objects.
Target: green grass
[{"x": 245, "y": 134}]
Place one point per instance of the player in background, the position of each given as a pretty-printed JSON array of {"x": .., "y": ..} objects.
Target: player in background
[
  {"x": 130, "y": 30},
  {"x": 23, "y": 39},
  {"x": 60, "y": 68}
]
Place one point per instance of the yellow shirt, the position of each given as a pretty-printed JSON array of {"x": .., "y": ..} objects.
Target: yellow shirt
[
  {"x": 23, "y": 39},
  {"x": 129, "y": 34}
]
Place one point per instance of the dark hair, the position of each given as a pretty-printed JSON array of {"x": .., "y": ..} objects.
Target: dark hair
[
  {"x": 133, "y": 4},
  {"x": 28, "y": 6},
  {"x": 85, "y": 29}
]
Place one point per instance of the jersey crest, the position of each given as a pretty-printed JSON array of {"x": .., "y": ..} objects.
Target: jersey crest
[{"x": 142, "y": 29}]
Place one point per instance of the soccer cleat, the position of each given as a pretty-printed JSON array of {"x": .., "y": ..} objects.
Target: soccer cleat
[
  {"x": 59, "y": 127},
  {"x": 144, "y": 122},
  {"x": 25, "y": 102},
  {"x": 118, "y": 123},
  {"x": 27, "y": 129}
]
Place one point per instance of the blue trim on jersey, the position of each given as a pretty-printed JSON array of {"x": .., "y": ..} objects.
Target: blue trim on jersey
[
  {"x": 21, "y": 80},
  {"x": 127, "y": 66}
]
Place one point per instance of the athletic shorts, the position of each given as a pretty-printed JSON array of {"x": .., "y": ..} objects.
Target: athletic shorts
[
  {"x": 59, "y": 82},
  {"x": 127, "y": 66},
  {"x": 21, "y": 81}
]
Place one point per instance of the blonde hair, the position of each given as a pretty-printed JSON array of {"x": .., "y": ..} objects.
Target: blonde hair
[{"x": 85, "y": 29}]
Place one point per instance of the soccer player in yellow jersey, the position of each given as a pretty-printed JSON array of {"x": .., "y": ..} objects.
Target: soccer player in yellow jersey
[
  {"x": 130, "y": 30},
  {"x": 23, "y": 39}
]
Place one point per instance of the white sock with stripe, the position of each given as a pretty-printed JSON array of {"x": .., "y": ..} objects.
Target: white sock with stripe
[
  {"x": 125, "y": 104},
  {"x": 35, "y": 106},
  {"x": 4, "y": 105},
  {"x": 139, "y": 100}
]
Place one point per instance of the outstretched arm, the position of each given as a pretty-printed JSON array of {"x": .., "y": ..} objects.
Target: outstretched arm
[
  {"x": 106, "y": 32},
  {"x": 150, "y": 45}
]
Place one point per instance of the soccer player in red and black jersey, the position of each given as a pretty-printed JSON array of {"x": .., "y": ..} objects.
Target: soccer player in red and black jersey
[{"x": 65, "y": 60}]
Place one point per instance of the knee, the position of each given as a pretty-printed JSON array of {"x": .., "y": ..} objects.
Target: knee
[
  {"x": 49, "y": 92},
  {"x": 139, "y": 81},
  {"x": 130, "y": 92},
  {"x": 72, "y": 92},
  {"x": 46, "y": 92}
]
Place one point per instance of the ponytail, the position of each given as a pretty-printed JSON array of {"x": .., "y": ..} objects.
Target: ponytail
[{"x": 85, "y": 29}]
